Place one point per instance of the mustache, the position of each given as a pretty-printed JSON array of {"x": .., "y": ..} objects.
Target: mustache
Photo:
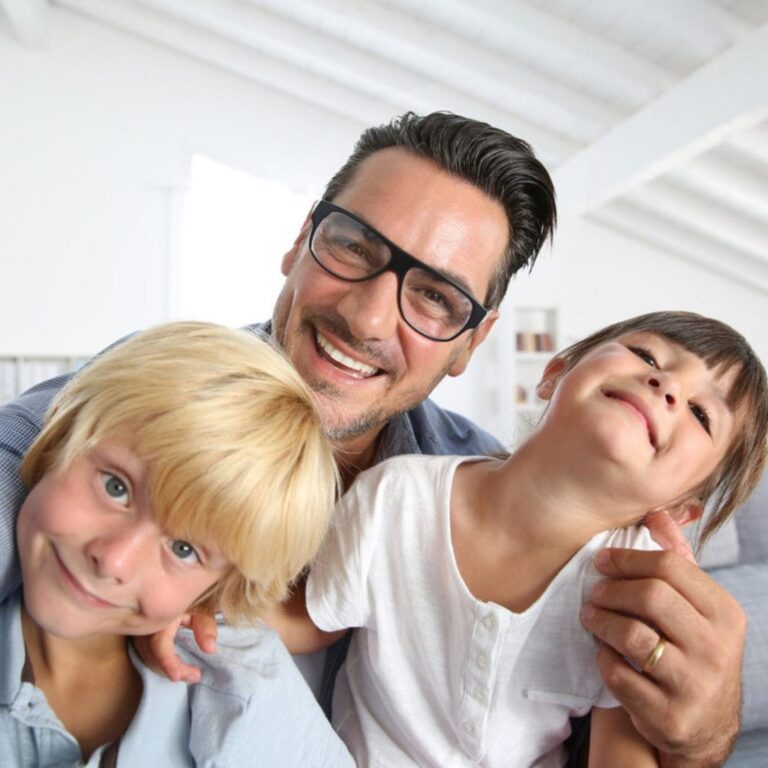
[{"x": 373, "y": 352}]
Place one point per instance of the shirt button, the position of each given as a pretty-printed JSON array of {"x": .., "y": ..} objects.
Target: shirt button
[
  {"x": 469, "y": 727},
  {"x": 489, "y": 622},
  {"x": 480, "y": 695},
  {"x": 482, "y": 660}
]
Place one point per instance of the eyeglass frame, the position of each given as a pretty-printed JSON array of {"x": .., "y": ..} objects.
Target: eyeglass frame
[{"x": 400, "y": 262}]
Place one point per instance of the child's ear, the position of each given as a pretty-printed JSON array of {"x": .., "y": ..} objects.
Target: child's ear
[
  {"x": 687, "y": 512},
  {"x": 552, "y": 373}
]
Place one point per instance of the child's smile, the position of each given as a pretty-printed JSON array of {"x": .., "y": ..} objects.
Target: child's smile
[
  {"x": 636, "y": 393},
  {"x": 93, "y": 558}
]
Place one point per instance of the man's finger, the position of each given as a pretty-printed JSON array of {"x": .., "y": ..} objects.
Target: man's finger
[
  {"x": 631, "y": 638},
  {"x": 668, "y": 534},
  {"x": 694, "y": 585}
]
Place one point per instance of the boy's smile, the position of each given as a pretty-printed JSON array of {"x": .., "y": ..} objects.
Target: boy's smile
[{"x": 93, "y": 559}]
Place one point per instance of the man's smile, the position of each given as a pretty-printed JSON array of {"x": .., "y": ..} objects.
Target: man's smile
[{"x": 352, "y": 366}]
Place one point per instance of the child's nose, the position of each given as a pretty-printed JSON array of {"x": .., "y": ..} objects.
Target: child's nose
[
  {"x": 665, "y": 386},
  {"x": 120, "y": 554}
]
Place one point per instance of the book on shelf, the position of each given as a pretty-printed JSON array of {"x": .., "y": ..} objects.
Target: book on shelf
[{"x": 526, "y": 341}]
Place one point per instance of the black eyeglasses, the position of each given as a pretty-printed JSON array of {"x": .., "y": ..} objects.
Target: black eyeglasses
[{"x": 431, "y": 303}]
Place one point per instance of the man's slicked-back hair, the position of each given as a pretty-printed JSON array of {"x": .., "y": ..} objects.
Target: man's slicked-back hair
[
  {"x": 721, "y": 348},
  {"x": 502, "y": 166}
]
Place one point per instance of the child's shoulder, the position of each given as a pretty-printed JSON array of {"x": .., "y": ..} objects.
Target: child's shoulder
[
  {"x": 629, "y": 537},
  {"x": 410, "y": 469}
]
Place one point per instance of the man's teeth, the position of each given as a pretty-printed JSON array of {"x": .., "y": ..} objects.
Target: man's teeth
[{"x": 342, "y": 359}]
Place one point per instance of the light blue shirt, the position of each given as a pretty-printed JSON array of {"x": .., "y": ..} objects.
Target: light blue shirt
[{"x": 251, "y": 708}]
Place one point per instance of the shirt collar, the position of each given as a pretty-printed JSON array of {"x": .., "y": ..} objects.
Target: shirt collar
[{"x": 12, "y": 643}]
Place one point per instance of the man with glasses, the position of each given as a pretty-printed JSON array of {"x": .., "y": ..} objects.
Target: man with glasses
[{"x": 393, "y": 281}]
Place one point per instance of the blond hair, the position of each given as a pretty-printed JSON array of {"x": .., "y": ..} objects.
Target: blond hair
[{"x": 235, "y": 451}]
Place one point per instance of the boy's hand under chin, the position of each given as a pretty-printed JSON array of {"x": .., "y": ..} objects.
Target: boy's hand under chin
[{"x": 158, "y": 651}]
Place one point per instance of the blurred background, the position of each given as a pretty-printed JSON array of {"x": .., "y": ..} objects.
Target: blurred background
[{"x": 157, "y": 158}]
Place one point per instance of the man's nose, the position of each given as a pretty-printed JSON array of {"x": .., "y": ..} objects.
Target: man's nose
[
  {"x": 665, "y": 385},
  {"x": 120, "y": 553},
  {"x": 370, "y": 308}
]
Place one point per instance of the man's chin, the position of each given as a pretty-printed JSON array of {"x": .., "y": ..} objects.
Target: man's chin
[{"x": 343, "y": 429}]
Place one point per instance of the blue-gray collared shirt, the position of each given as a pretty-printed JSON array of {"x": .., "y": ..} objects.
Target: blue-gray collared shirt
[{"x": 251, "y": 708}]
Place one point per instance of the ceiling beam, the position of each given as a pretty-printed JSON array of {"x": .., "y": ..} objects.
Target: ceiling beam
[
  {"x": 726, "y": 93},
  {"x": 704, "y": 214},
  {"x": 677, "y": 240},
  {"x": 453, "y": 60},
  {"x": 520, "y": 27},
  {"x": 228, "y": 56},
  {"x": 28, "y": 20}
]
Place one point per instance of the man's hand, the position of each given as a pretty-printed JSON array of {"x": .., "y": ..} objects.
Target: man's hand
[
  {"x": 159, "y": 653},
  {"x": 668, "y": 534},
  {"x": 687, "y": 706}
]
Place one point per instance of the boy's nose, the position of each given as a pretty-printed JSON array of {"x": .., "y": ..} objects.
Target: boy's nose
[
  {"x": 666, "y": 386},
  {"x": 120, "y": 555},
  {"x": 370, "y": 308}
]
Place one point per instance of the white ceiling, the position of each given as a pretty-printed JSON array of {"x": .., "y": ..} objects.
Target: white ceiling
[{"x": 653, "y": 115}]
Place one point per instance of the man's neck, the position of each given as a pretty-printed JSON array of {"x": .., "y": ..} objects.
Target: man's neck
[{"x": 355, "y": 455}]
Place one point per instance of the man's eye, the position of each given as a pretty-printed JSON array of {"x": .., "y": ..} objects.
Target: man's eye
[
  {"x": 701, "y": 416},
  {"x": 645, "y": 355},
  {"x": 115, "y": 487},
  {"x": 184, "y": 550}
]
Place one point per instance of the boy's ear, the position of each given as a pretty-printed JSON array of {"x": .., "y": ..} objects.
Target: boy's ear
[
  {"x": 552, "y": 373},
  {"x": 687, "y": 512}
]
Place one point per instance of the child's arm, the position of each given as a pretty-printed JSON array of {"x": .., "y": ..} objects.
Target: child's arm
[
  {"x": 614, "y": 742},
  {"x": 292, "y": 622}
]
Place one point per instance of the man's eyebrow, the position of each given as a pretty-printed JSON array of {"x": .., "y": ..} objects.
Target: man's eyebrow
[{"x": 374, "y": 235}]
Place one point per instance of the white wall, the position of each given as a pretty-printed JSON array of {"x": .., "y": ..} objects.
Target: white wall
[
  {"x": 96, "y": 132},
  {"x": 610, "y": 277}
]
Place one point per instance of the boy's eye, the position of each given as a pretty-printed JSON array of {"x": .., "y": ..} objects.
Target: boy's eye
[
  {"x": 701, "y": 416},
  {"x": 645, "y": 355},
  {"x": 115, "y": 487},
  {"x": 184, "y": 550}
]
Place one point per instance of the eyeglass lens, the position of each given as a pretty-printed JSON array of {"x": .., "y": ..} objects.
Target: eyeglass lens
[{"x": 349, "y": 250}]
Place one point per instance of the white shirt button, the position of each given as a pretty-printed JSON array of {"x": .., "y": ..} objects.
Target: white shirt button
[
  {"x": 482, "y": 660},
  {"x": 480, "y": 695},
  {"x": 489, "y": 622},
  {"x": 469, "y": 727}
]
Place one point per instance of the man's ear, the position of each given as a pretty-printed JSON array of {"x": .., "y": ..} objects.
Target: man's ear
[
  {"x": 552, "y": 373},
  {"x": 475, "y": 340},
  {"x": 687, "y": 512},
  {"x": 289, "y": 259}
]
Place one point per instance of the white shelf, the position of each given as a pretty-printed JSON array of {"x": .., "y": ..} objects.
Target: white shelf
[
  {"x": 534, "y": 327},
  {"x": 20, "y": 372}
]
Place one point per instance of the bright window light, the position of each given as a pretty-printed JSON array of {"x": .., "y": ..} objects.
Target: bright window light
[{"x": 236, "y": 229}]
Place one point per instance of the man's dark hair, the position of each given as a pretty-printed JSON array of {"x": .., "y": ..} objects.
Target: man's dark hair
[{"x": 497, "y": 163}]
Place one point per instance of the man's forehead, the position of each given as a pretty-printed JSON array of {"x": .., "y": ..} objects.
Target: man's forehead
[{"x": 437, "y": 217}]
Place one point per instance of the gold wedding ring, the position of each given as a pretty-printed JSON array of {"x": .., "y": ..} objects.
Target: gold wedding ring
[{"x": 654, "y": 655}]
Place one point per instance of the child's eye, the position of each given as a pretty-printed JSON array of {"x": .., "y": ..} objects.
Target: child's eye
[
  {"x": 115, "y": 487},
  {"x": 184, "y": 550},
  {"x": 701, "y": 416},
  {"x": 645, "y": 355}
]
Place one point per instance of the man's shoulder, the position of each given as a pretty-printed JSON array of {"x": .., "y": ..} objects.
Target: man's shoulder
[{"x": 439, "y": 431}]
